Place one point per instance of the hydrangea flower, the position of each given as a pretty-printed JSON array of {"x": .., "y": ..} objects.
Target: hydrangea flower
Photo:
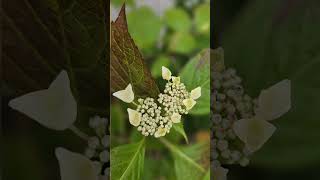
[
  {"x": 241, "y": 124},
  {"x": 155, "y": 117}
]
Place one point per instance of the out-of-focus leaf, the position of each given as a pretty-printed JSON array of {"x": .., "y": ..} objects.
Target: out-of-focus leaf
[
  {"x": 128, "y": 161},
  {"x": 207, "y": 176},
  {"x": 182, "y": 42},
  {"x": 272, "y": 41},
  {"x": 197, "y": 73},
  {"x": 185, "y": 166},
  {"x": 144, "y": 27},
  {"x": 158, "y": 63},
  {"x": 178, "y": 19},
  {"x": 202, "y": 18},
  {"x": 120, "y": 2},
  {"x": 127, "y": 64},
  {"x": 118, "y": 119},
  {"x": 178, "y": 127}
]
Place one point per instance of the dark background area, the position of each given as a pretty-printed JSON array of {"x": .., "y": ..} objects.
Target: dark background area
[{"x": 267, "y": 41}]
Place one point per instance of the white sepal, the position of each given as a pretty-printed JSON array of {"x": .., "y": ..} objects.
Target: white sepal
[
  {"x": 166, "y": 73},
  {"x": 134, "y": 117},
  {"x": 253, "y": 132},
  {"x": 189, "y": 103},
  {"x": 125, "y": 95},
  {"x": 54, "y": 108},
  {"x": 160, "y": 132},
  {"x": 176, "y": 118},
  {"x": 74, "y": 166},
  {"x": 274, "y": 101},
  {"x": 196, "y": 93}
]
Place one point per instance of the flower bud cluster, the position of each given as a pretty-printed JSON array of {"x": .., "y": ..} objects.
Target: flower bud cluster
[
  {"x": 98, "y": 146},
  {"x": 151, "y": 117},
  {"x": 229, "y": 104},
  {"x": 172, "y": 98}
]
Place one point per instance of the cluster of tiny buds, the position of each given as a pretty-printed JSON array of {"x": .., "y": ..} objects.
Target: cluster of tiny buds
[
  {"x": 229, "y": 103},
  {"x": 172, "y": 98},
  {"x": 151, "y": 118},
  {"x": 98, "y": 146}
]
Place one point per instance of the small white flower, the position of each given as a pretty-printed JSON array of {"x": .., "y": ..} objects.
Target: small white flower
[
  {"x": 189, "y": 103},
  {"x": 74, "y": 166},
  {"x": 166, "y": 73},
  {"x": 196, "y": 93},
  {"x": 220, "y": 173},
  {"x": 253, "y": 132},
  {"x": 54, "y": 108},
  {"x": 176, "y": 118},
  {"x": 160, "y": 132},
  {"x": 134, "y": 117},
  {"x": 275, "y": 101},
  {"x": 125, "y": 95},
  {"x": 175, "y": 80}
]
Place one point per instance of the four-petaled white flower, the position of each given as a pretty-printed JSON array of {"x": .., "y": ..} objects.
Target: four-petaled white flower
[
  {"x": 134, "y": 117},
  {"x": 125, "y": 95},
  {"x": 74, "y": 166},
  {"x": 166, "y": 73},
  {"x": 272, "y": 103},
  {"x": 189, "y": 103},
  {"x": 196, "y": 93},
  {"x": 176, "y": 118},
  {"x": 54, "y": 108},
  {"x": 160, "y": 132}
]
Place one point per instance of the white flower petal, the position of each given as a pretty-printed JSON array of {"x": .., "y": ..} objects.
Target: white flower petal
[
  {"x": 189, "y": 103},
  {"x": 175, "y": 80},
  {"x": 196, "y": 93},
  {"x": 166, "y": 73},
  {"x": 54, "y": 108},
  {"x": 160, "y": 132},
  {"x": 125, "y": 95},
  {"x": 275, "y": 101},
  {"x": 74, "y": 166},
  {"x": 219, "y": 173},
  {"x": 176, "y": 118},
  {"x": 253, "y": 132},
  {"x": 134, "y": 117}
]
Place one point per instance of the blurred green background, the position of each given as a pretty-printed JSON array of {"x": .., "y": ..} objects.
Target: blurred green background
[
  {"x": 168, "y": 33},
  {"x": 267, "y": 41}
]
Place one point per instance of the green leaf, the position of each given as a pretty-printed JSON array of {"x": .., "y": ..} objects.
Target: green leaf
[
  {"x": 202, "y": 18},
  {"x": 128, "y": 161},
  {"x": 280, "y": 45},
  {"x": 197, "y": 73},
  {"x": 144, "y": 27},
  {"x": 178, "y": 127},
  {"x": 127, "y": 64},
  {"x": 178, "y": 19},
  {"x": 118, "y": 119},
  {"x": 207, "y": 176},
  {"x": 182, "y": 42},
  {"x": 185, "y": 161},
  {"x": 160, "y": 61}
]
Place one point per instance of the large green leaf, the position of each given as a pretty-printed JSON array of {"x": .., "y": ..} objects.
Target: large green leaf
[
  {"x": 128, "y": 161},
  {"x": 186, "y": 160},
  {"x": 268, "y": 44},
  {"x": 127, "y": 64},
  {"x": 197, "y": 73}
]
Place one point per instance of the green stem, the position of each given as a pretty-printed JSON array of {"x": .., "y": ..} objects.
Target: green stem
[{"x": 79, "y": 133}]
